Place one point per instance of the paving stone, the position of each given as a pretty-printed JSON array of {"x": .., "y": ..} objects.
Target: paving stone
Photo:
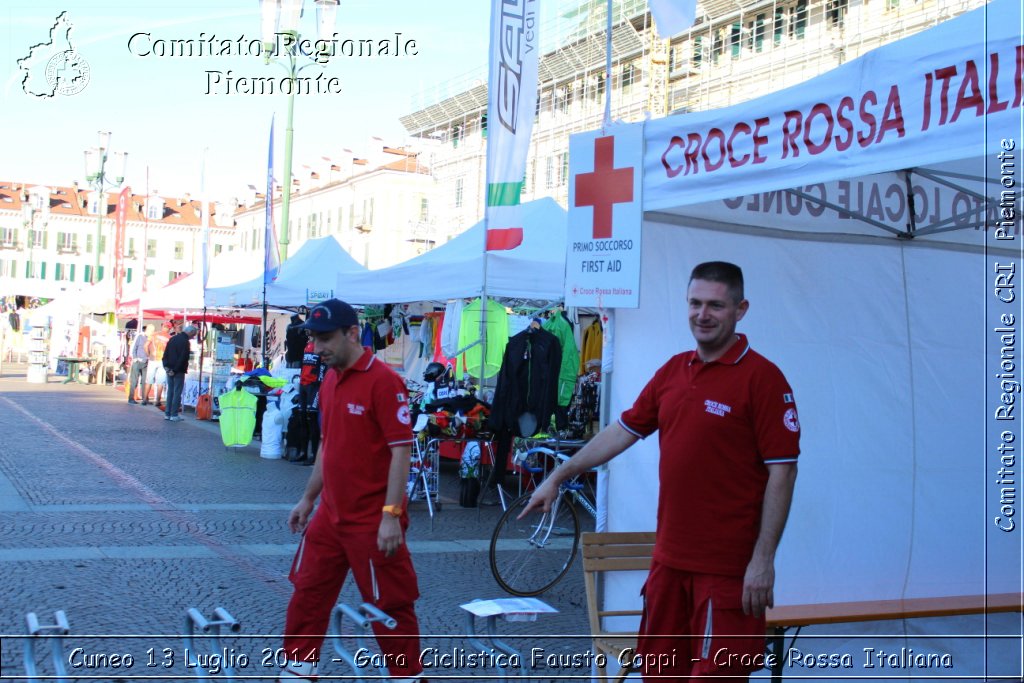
[{"x": 124, "y": 521}]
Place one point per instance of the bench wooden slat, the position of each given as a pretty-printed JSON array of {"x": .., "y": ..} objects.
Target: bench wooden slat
[
  {"x": 881, "y": 610},
  {"x": 631, "y": 551}
]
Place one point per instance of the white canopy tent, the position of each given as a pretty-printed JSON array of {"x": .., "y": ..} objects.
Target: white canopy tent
[
  {"x": 310, "y": 274},
  {"x": 186, "y": 293},
  {"x": 878, "y": 292},
  {"x": 533, "y": 270}
]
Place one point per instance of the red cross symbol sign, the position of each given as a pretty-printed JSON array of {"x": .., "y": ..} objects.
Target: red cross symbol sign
[{"x": 604, "y": 187}]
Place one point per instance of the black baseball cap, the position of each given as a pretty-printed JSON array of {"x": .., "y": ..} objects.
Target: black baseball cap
[{"x": 333, "y": 314}]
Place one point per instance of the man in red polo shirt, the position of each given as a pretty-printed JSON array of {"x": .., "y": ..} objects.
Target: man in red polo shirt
[
  {"x": 729, "y": 440},
  {"x": 359, "y": 475}
]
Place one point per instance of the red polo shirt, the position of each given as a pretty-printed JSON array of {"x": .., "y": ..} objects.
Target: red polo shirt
[
  {"x": 365, "y": 412},
  {"x": 721, "y": 423}
]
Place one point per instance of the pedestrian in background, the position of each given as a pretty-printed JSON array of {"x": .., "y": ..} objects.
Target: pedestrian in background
[
  {"x": 142, "y": 349},
  {"x": 156, "y": 378},
  {"x": 176, "y": 357}
]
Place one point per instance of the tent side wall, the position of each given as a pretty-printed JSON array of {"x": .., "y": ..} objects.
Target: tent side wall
[{"x": 884, "y": 344}]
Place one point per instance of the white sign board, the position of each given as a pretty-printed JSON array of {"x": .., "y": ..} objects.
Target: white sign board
[{"x": 602, "y": 266}]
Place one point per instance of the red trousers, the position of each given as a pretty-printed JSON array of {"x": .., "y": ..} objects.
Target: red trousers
[
  {"x": 321, "y": 564},
  {"x": 694, "y": 625}
]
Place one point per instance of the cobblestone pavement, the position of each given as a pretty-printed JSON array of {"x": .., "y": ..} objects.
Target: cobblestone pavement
[{"x": 124, "y": 521}]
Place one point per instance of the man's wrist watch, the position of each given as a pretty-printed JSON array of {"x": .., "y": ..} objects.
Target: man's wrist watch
[{"x": 393, "y": 510}]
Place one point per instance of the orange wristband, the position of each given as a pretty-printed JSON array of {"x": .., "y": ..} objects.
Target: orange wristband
[{"x": 393, "y": 510}]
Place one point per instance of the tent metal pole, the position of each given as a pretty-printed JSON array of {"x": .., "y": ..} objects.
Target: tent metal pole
[{"x": 841, "y": 210}]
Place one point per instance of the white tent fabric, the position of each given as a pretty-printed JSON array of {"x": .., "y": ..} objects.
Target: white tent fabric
[
  {"x": 891, "y": 336},
  {"x": 311, "y": 271},
  {"x": 186, "y": 293},
  {"x": 533, "y": 270}
]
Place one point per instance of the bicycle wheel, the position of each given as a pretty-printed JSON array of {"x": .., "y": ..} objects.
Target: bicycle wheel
[{"x": 530, "y": 555}]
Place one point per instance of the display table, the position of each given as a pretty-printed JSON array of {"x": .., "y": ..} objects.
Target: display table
[{"x": 73, "y": 363}]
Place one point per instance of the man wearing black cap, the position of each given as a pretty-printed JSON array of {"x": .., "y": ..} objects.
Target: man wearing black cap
[{"x": 360, "y": 476}]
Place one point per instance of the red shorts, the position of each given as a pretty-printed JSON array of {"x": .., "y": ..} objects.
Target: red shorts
[
  {"x": 694, "y": 625},
  {"x": 321, "y": 564}
]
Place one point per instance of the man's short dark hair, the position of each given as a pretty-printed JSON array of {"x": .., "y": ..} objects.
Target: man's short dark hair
[{"x": 729, "y": 274}]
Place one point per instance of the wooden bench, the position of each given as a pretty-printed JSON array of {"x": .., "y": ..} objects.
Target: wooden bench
[{"x": 631, "y": 551}]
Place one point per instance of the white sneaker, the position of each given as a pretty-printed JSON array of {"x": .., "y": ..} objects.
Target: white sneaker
[{"x": 304, "y": 671}]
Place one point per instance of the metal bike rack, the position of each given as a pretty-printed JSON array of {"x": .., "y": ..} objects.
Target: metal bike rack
[
  {"x": 53, "y": 634},
  {"x": 490, "y": 641},
  {"x": 222, "y": 619},
  {"x": 363, "y": 617}
]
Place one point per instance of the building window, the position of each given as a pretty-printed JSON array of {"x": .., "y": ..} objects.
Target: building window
[
  {"x": 836, "y": 12},
  {"x": 88, "y": 274},
  {"x": 9, "y": 237},
  {"x": 735, "y": 39},
  {"x": 151, "y": 248},
  {"x": 217, "y": 249},
  {"x": 779, "y": 26},
  {"x": 459, "y": 188},
  {"x": 179, "y": 250},
  {"x": 549, "y": 173},
  {"x": 67, "y": 242},
  {"x": 698, "y": 51},
  {"x": 103, "y": 244},
  {"x": 88, "y": 244},
  {"x": 37, "y": 239},
  {"x": 757, "y": 33},
  {"x": 424, "y": 209},
  {"x": 563, "y": 168},
  {"x": 628, "y": 75},
  {"x": 131, "y": 247},
  {"x": 127, "y": 275},
  {"x": 798, "y": 20}
]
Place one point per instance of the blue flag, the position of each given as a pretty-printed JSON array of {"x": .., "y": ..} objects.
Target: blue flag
[{"x": 272, "y": 255}]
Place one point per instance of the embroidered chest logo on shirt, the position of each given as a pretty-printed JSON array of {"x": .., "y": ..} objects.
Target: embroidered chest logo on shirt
[
  {"x": 356, "y": 409},
  {"x": 716, "y": 408}
]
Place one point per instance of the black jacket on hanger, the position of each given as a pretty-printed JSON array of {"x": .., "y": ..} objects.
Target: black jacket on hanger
[
  {"x": 294, "y": 341},
  {"x": 527, "y": 390}
]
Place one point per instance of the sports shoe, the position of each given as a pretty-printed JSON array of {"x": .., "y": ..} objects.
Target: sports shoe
[
  {"x": 145, "y": 403},
  {"x": 175, "y": 418},
  {"x": 167, "y": 417},
  {"x": 298, "y": 671},
  {"x": 132, "y": 401}
]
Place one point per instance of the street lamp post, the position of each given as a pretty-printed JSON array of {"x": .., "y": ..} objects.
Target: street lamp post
[
  {"x": 280, "y": 19},
  {"x": 96, "y": 175},
  {"x": 35, "y": 210}
]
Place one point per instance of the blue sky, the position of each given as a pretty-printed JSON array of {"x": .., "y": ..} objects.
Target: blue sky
[{"x": 160, "y": 113}]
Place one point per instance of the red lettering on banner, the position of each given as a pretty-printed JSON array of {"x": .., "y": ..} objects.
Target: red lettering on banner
[
  {"x": 604, "y": 187},
  {"x": 994, "y": 105},
  {"x": 1018, "y": 78},
  {"x": 944, "y": 75},
  {"x": 844, "y": 104},
  {"x": 822, "y": 110},
  {"x": 892, "y": 119},
  {"x": 733, "y": 161},
  {"x": 927, "y": 102},
  {"x": 714, "y": 133},
  {"x": 760, "y": 140},
  {"x": 692, "y": 150},
  {"x": 975, "y": 99},
  {"x": 868, "y": 118},
  {"x": 671, "y": 171},
  {"x": 789, "y": 137}
]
